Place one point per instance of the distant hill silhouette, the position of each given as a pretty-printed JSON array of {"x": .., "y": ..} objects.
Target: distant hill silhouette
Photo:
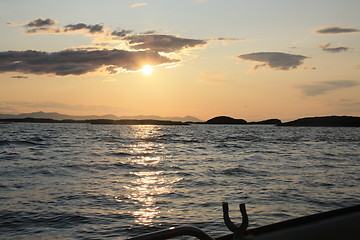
[
  {"x": 268, "y": 122},
  {"x": 53, "y": 117},
  {"x": 329, "y": 121},
  {"x": 225, "y": 120},
  {"x": 58, "y": 116},
  {"x": 94, "y": 121}
]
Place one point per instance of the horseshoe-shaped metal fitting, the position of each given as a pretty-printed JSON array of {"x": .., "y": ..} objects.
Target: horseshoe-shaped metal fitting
[{"x": 236, "y": 229}]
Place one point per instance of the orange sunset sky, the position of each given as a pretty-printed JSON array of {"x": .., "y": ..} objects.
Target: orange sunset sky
[{"x": 246, "y": 59}]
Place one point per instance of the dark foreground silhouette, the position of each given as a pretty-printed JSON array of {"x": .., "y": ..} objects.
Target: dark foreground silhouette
[{"x": 329, "y": 121}]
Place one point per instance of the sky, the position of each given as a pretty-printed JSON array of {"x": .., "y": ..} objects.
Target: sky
[{"x": 249, "y": 59}]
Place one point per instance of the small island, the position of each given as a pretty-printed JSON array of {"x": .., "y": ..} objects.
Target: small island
[
  {"x": 225, "y": 120},
  {"x": 329, "y": 121}
]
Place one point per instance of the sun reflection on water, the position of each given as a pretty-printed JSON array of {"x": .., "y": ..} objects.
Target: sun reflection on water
[
  {"x": 150, "y": 181},
  {"x": 144, "y": 190}
]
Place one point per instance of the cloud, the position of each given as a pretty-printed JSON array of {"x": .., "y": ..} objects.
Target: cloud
[
  {"x": 41, "y": 22},
  {"x": 337, "y": 30},
  {"x": 41, "y": 25},
  {"x": 324, "y": 87},
  {"x": 121, "y": 33},
  {"x": 79, "y": 62},
  {"x": 45, "y": 26},
  {"x": 130, "y": 50},
  {"x": 162, "y": 43},
  {"x": 326, "y": 47},
  {"x": 44, "y": 30},
  {"x": 19, "y": 77},
  {"x": 97, "y": 28},
  {"x": 275, "y": 60},
  {"x": 221, "y": 39},
  {"x": 135, "y": 5},
  {"x": 144, "y": 41}
]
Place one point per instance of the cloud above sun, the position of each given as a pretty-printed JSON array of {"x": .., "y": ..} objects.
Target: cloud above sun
[
  {"x": 136, "y": 51},
  {"x": 78, "y": 62},
  {"x": 274, "y": 60}
]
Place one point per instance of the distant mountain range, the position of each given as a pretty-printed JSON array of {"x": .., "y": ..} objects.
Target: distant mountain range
[{"x": 58, "y": 116}]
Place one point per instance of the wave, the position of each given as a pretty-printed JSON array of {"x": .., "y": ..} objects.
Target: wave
[
  {"x": 132, "y": 154},
  {"x": 90, "y": 182},
  {"x": 18, "y": 221},
  {"x": 30, "y": 142},
  {"x": 237, "y": 171}
]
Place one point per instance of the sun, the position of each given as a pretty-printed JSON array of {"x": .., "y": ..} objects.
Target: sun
[{"x": 147, "y": 70}]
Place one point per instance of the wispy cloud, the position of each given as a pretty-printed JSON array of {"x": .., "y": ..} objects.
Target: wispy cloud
[
  {"x": 79, "y": 62},
  {"x": 325, "y": 87},
  {"x": 19, "y": 77},
  {"x": 326, "y": 47},
  {"x": 221, "y": 39},
  {"x": 337, "y": 30},
  {"x": 135, "y": 5},
  {"x": 274, "y": 60}
]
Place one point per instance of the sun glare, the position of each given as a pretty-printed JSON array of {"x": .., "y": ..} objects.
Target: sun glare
[{"x": 147, "y": 70}]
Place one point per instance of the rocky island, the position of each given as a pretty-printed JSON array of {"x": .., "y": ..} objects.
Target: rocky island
[
  {"x": 225, "y": 120},
  {"x": 329, "y": 121}
]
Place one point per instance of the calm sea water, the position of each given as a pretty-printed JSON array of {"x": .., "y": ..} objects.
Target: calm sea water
[{"x": 81, "y": 181}]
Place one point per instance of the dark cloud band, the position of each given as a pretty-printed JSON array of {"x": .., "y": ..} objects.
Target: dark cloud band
[
  {"x": 337, "y": 30},
  {"x": 275, "y": 60},
  {"x": 77, "y": 62}
]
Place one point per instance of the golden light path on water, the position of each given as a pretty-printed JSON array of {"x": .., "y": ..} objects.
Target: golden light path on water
[{"x": 149, "y": 184}]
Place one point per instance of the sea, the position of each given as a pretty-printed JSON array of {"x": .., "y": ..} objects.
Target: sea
[{"x": 84, "y": 181}]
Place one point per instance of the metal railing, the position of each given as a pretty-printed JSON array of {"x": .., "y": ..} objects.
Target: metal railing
[
  {"x": 238, "y": 230},
  {"x": 175, "y": 232}
]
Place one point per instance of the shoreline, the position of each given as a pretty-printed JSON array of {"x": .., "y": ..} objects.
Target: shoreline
[{"x": 328, "y": 121}]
